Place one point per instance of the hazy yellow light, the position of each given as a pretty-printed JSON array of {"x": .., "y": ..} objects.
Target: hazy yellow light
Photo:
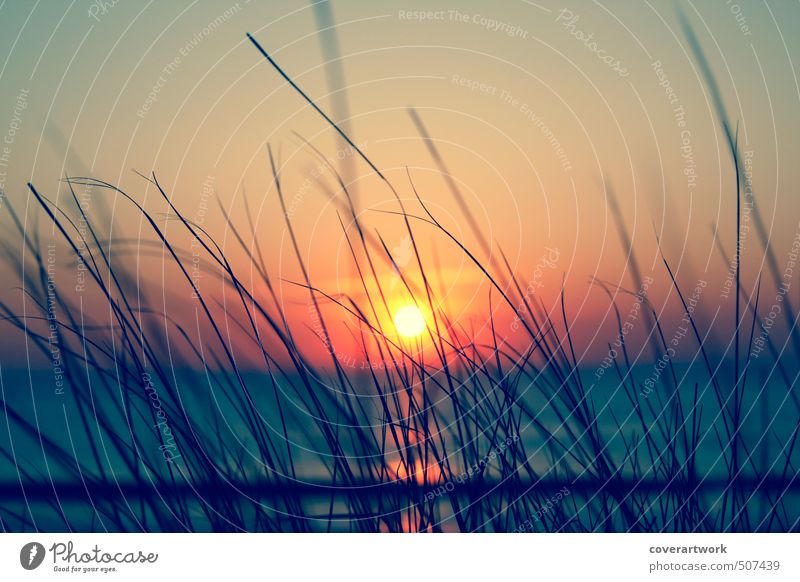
[{"x": 409, "y": 321}]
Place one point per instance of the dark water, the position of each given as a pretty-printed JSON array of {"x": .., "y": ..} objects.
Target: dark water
[{"x": 83, "y": 464}]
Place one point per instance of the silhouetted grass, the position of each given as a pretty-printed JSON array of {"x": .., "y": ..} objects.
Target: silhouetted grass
[{"x": 472, "y": 434}]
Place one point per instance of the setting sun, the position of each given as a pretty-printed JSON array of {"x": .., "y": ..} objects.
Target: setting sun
[{"x": 409, "y": 321}]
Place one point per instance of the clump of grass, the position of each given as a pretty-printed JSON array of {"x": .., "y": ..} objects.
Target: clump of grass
[{"x": 181, "y": 428}]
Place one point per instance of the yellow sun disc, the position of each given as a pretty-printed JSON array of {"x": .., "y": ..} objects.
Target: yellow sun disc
[{"x": 409, "y": 321}]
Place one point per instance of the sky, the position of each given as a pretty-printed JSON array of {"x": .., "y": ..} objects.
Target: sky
[{"x": 540, "y": 111}]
